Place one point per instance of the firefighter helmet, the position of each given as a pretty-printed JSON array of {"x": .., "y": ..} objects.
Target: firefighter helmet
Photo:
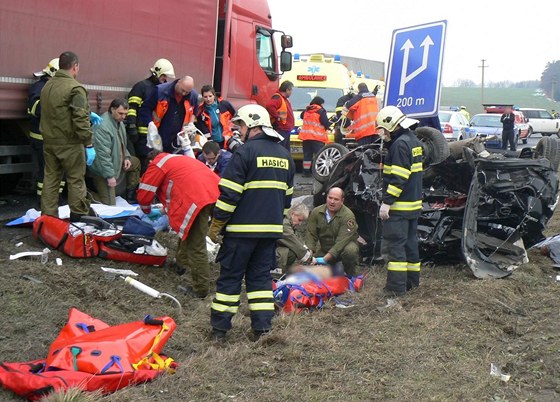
[
  {"x": 391, "y": 116},
  {"x": 163, "y": 67},
  {"x": 50, "y": 70},
  {"x": 256, "y": 116}
]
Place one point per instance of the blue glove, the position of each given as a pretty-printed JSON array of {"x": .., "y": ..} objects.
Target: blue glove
[
  {"x": 320, "y": 261},
  {"x": 90, "y": 155},
  {"x": 154, "y": 214},
  {"x": 95, "y": 118}
]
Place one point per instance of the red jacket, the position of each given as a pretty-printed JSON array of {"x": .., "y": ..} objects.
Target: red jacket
[{"x": 184, "y": 185}]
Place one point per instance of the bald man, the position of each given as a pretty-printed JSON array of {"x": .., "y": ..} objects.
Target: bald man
[
  {"x": 171, "y": 107},
  {"x": 332, "y": 233}
]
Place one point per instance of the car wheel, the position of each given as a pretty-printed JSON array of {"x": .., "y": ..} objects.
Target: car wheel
[
  {"x": 549, "y": 148},
  {"x": 326, "y": 159},
  {"x": 436, "y": 148}
]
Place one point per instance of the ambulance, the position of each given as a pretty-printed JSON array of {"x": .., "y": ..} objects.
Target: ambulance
[{"x": 315, "y": 75}]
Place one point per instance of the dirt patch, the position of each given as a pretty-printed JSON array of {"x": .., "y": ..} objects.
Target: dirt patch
[{"x": 436, "y": 343}]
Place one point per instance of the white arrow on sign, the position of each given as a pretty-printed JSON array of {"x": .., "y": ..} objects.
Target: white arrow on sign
[{"x": 426, "y": 43}]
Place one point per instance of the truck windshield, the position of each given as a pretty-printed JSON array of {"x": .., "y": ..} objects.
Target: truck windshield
[{"x": 301, "y": 96}]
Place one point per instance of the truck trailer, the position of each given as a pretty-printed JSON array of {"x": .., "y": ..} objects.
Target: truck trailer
[{"x": 227, "y": 43}]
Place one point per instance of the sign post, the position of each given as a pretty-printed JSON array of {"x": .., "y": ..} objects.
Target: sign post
[{"x": 414, "y": 69}]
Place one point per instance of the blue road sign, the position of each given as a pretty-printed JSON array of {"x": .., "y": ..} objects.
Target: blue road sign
[{"x": 414, "y": 72}]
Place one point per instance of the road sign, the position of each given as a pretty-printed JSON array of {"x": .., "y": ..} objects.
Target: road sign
[{"x": 414, "y": 72}]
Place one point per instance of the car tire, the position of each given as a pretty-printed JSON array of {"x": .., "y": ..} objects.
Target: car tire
[
  {"x": 325, "y": 160},
  {"x": 549, "y": 148},
  {"x": 436, "y": 148}
]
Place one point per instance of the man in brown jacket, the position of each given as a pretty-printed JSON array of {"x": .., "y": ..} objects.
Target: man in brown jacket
[{"x": 65, "y": 124}]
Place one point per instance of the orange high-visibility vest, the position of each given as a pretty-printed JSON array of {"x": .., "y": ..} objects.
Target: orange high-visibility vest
[
  {"x": 312, "y": 129},
  {"x": 364, "y": 114},
  {"x": 161, "y": 110}
]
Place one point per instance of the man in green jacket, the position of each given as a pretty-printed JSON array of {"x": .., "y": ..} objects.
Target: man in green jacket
[
  {"x": 65, "y": 125},
  {"x": 291, "y": 248},
  {"x": 113, "y": 163},
  {"x": 332, "y": 231}
]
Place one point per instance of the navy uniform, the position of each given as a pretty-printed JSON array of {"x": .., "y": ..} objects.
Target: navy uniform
[
  {"x": 255, "y": 194},
  {"x": 402, "y": 177}
]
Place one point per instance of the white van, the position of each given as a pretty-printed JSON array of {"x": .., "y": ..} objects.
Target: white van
[{"x": 541, "y": 121}]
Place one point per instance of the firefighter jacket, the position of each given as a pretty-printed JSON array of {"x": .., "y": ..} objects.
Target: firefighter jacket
[
  {"x": 34, "y": 107},
  {"x": 281, "y": 113},
  {"x": 256, "y": 189},
  {"x": 291, "y": 240},
  {"x": 331, "y": 237},
  {"x": 402, "y": 174},
  {"x": 182, "y": 184},
  {"x": 221, "y": 163},
  {"x": 362, "y": 109},
  {"x": 315, "y": 124},
  {"x": 225, "y": 112},
  {"x": 65, "y": 111},
  {"x": 168, "y": 115},
  {"x": 137, "y": 95},
  {"x": 109, "y": 140}
]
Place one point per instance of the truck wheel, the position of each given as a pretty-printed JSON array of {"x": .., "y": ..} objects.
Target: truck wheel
[
  {"x": 549, "y": 148},
  {"x": 326, "y": 159},
  {"x": 436, "y": 148}
]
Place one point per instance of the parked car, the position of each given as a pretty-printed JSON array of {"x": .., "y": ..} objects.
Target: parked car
[
  {"x": 489, "y": 124},
  {"x": 479, "y": 207},
  {"x": 454, "y": 125},
  {"x": 541, "y": 121}
]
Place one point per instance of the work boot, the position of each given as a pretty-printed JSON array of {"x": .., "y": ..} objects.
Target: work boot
[
  {"x": 131, "y": 196},
  {"x": 218, "y": 335},
  {"x": 259, "y": 334},
  {"x": 189, "y": 291},
  {"x": 74, "y": 217}
]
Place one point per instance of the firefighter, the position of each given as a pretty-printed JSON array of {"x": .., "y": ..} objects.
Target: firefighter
[
  {"x": 34, "y": 113},
  {"x": 336, "y": 118},
  {"x": 281, "y": 112},
  {"x": 362, "y": 109},
  {"x": 161, "y": 71},
  {"x": 67, "y": 135},
  {"x": 255, "y": 193},
  {"x": 171, "y": 108},
  {"x": 332, "y": 232},
  {"x": 188, "y": 191},
  {"x": 402, "y": 200},
  {"x": 214, "y": 116},
  {"x": 313, "y": 132}
]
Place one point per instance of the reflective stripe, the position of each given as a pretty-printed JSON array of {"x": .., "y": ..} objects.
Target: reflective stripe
[
  {"x": 222, "y": 308},
  {"x": 400, "y": 171},
  {"x": 260, "y": 294},
  {"x": 34, "y": 108},
  {"x": 231, "y": 185},
  {"x": 266, "y": 184},
  {"x": 36, "y": 136},
  {"x": 135, "y": 99},
  {"x": 413, "y": 266},
  {"x": 166, "y": 158},
  {"x": 394, "y": 191},
  {"x": 131, "y": 112},
  {"x": 147, "y": 187},
  {"x": 386, "y": 169},
  {"x": 290, "y": 191},
  {"x": 227, "y": 298},
  {"x": 186, "y": 220},
  {"x": 397, "y": 266},
  {"x": 261, "y": 306},
  {"x": 406, "y": 206},
  {"x": 225, "y": 206},
  {"x": 254, "y": 228},
  {"x": 416, "y": 167},
  {"x": 142, "y": 130},
  {"x": 168, "y": 193}
]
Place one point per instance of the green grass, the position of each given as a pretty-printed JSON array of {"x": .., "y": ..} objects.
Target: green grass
[{"x": 471, "y": 98}]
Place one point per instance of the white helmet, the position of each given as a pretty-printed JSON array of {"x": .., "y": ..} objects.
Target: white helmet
[
  {"x": 254, "y": 116},
  {"x": 163, "y": 67},
  {"x": 50, "y": 70},
  {"x": 391, "y": 116}
]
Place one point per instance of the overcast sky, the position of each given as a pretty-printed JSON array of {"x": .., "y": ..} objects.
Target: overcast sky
[{"x": 517, "y": 39}]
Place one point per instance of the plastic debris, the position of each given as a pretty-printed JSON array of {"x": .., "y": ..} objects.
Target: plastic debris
[
  {"x": 496, "y": 371},
  {"x": 43, "y": 254},
  {"x": 30, "y": 278},
  {"x": 19, "y": 244},
  {"x": 59, "y": 261}
]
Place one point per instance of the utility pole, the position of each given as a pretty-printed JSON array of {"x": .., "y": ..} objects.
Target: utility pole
[{"x": 483, "y": 66}]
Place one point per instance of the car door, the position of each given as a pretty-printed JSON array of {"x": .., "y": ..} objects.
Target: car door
[{"x": 548, "y": 124}]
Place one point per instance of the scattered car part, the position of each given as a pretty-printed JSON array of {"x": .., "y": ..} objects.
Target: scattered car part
[{"x": 326, "y": 159}]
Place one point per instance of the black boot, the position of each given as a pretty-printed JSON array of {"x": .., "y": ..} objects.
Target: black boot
[{"x": 131, "y": 196}]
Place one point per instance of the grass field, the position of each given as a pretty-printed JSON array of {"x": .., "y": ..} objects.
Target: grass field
[{"x": 471, "y": 98}]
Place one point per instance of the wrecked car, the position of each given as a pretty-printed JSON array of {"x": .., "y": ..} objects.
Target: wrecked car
[{"x": 478, "y": 207}]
